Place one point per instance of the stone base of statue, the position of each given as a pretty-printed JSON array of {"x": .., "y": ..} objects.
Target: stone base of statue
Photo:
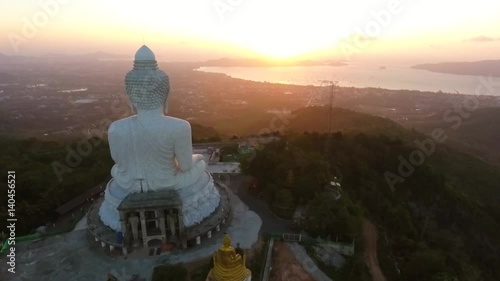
[
  {"x": 151, "y": 219},
  {"x": 197, "y": 202},
  {"x": 210, "y": 276}
]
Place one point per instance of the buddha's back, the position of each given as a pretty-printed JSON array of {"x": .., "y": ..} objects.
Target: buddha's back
[{"x": 144, "y": 150}]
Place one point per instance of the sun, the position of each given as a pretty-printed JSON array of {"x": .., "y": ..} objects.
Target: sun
[
  {"x": 281, "y": 50},
  {"x": 279, "y": 46}
]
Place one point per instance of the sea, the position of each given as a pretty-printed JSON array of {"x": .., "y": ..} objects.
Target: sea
[{"x": 362, "y": 76}]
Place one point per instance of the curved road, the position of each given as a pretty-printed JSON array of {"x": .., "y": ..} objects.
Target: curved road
[{"x": 238, "y": 183}]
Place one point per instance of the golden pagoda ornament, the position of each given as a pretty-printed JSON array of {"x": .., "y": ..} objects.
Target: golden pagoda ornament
[{"x": 229, "y": 264}]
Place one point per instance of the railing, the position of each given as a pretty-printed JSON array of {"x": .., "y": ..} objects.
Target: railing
[{"x": 268, "y": 258}]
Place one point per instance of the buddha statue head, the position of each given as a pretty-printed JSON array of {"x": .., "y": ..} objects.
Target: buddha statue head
[
  {"x": 226, "y": 242},
  {"x": 146, "y": 85}
]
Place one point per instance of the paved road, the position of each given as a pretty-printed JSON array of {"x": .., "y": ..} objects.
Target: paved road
[{"x": 239, "y": 185}]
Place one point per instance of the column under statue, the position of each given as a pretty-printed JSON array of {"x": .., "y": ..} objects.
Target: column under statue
[
  {"x": 134, "y": 224},
  {"x": 171, "y": 224},
  {"x": 153, "y": 152}
]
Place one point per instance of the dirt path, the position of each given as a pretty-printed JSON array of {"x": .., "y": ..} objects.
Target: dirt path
[
  {"x": 370, "y": 236},
  {"x": 285, "y": 267}
]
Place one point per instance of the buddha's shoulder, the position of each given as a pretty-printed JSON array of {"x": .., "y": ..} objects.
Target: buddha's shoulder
[
  {"x": 166, "y": 123},
  {"x": 176, "y": 123},
  {"x": 120, "y": 124}
]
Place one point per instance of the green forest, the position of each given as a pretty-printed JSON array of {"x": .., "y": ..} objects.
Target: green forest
[
  {"x": 435, "y": 226},
  {"x": 49, "y": 174}
]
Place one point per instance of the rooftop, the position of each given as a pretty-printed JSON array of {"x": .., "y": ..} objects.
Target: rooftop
[{"x": 146, "y": 200}]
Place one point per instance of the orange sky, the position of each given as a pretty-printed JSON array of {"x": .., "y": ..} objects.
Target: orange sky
[{"x": 400, "y": 31}]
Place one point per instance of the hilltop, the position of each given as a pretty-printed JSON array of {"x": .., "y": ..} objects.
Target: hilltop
[
  {"x": 202, "y": 133},
  {"x": 462, "y": 169},
  {"x": 315, "y": 119}
]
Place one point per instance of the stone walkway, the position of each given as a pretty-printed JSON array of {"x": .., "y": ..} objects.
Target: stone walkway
[
  {"x": 81, "y": 224},
  {"x": 75, "y": 257}
]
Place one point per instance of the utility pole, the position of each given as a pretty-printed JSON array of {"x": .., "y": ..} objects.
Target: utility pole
[
  {"x": 330, "y": 119},
  {"x": 329, "y": 136}
]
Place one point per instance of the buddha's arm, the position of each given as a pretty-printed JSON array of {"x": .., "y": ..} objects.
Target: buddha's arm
[
  {"x": 113, "y": 138},
  {"x": 183, "y": 150}
]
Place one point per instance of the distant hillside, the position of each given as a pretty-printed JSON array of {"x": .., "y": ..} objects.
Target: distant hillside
[
  {"x": 201, "y": 133},
  {"x": 461, "y": 169},
  {"x": 104, "y": 55},
  {"x": 315, "y": 119},
  {"x": 478, "y": 134},
  {"x": 61, "y": 57},
  {"x": 86, "y": 57},
  {"x": 486, "y": 67}
]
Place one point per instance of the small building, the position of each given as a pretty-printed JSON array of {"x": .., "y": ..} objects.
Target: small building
[{"x": 156, "y": 215}]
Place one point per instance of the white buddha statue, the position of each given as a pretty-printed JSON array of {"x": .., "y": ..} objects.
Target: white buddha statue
[{"x": 153, "y": 152}]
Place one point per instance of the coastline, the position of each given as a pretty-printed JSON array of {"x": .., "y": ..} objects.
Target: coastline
[{"x": 238, "y": 73}]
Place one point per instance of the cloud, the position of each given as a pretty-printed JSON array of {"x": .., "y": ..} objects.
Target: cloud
[{"x": 482, "y": 39}]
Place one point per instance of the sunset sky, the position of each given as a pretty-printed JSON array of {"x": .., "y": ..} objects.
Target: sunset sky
[{"x": 187, "y": 30}]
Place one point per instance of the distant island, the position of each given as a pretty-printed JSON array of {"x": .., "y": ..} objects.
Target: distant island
[
  {"x": 486, "y": 67},
  {"x": 263, "y": 63}
]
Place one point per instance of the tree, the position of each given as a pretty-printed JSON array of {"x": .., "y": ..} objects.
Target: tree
[
  {"x": 306, "y": 188},
  {"x": 284, "y": 199},
  {"x": 424, "y": 264},
  {"x": 176, "y": 272},
  {"x": 290, "y": 180}
]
